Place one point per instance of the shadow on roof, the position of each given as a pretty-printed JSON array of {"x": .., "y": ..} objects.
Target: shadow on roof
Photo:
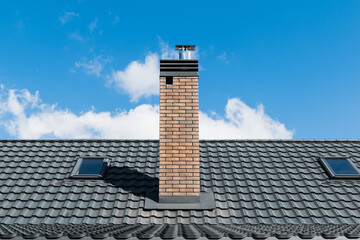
[{"x": 133, "y": 181}]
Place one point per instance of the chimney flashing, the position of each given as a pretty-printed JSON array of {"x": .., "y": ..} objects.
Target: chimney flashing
[{"x": 205, "y": 201}]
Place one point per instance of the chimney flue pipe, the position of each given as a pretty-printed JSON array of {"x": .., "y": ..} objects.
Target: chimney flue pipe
[{"x": 185, "y": 51}]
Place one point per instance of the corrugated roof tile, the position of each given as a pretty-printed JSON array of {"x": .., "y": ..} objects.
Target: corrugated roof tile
[{"x": 254, "y": 181}]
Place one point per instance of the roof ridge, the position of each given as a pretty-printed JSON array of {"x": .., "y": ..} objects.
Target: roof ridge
[
  {"x": 285, "y": 140},
  {"x": 74, "y": 140},
  {"x": 201, "y": 140}
]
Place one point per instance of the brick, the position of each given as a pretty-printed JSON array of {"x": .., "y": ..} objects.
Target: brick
[
  {"x": 178, "y": 194},
  {"x": 172, "y": 182},
  {"x": 172, "y": 166},
  {"x": 179, "y": 161},
  {"x": 192, "y": 178},
  {"x": 178, "y": 147},
  {"x": 166, "y": 178},
  {"x": 185, "y": 189},
  {"x": 188, "y": 182},
  {"x": 186, "y": 166},
  {"x": 172, "y": 189},
  {"x": 178, "y": 133},
  {"x": 193, "y": 194},
  {"x": 174, "y": 174},
  {"x": 186, "y": 151}
]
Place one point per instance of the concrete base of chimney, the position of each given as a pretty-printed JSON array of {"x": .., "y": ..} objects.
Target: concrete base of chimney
[
  {"x": 179, "y": 199},
  {"x": 206, "y": 201}
]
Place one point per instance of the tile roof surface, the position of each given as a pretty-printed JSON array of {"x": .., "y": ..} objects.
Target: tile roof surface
[
  {"x": 254, "y": 182},
  {"x": 171, "y": 231}
]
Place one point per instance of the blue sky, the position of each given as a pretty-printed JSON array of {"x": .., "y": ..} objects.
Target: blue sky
[{"x": 67, "y": 67}]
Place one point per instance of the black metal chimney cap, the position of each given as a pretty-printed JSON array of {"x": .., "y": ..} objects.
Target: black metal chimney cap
[
  {"x": 179, "y": 67},
  {"x": 186, "y": 47}
]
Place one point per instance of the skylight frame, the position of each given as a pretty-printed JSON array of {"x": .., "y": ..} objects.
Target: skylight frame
[
  {"x": 331, "y": 172},
  {"x": 75, "y": 172}
]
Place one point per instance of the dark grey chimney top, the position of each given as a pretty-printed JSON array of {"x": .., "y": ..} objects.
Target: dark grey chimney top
[{"x": 185, "y": 47}]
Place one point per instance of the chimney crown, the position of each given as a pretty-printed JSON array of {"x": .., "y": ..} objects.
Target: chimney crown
[{"x": 183, "y": 67}]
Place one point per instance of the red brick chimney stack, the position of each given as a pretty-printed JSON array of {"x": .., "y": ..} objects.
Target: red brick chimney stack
[{"x": 179, "y": 162}]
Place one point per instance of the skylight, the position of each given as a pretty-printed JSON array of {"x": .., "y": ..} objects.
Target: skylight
[
  {"x": 89, "y": 168},
  {"x": 340, "y": 168}
]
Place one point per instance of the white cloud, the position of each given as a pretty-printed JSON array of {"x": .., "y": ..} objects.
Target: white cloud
[
  {"x": 93, "y": 25},
  {"x": 92, "y": 67},
  {"x": 24, "y": 116},
  {"x": 67, "y": 17},
  {"x": 76, "y": 36},
  {"x": 142, "y": 79},
  {"x": 138, "y": 79},
  {"x": 242, "y": 122},
  {"x": 116, "y": 18},
  {"x": 166, "y": 51},
  {"x": 223, "y": 57}
]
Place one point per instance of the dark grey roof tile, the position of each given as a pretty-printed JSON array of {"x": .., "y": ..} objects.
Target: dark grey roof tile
[{"x": 253, "y": 182}]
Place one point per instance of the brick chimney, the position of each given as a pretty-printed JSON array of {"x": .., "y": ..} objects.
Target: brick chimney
[{"x": 179, "y": 162}]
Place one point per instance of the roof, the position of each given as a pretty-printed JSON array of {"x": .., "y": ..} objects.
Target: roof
[
  {"x": 258, "y": 182},
  {"x": 171, "y": 231}
]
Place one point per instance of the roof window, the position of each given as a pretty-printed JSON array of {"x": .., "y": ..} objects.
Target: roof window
[
  {"x": 340, "y": 167},
  {"x": 89, "y": 167}
]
